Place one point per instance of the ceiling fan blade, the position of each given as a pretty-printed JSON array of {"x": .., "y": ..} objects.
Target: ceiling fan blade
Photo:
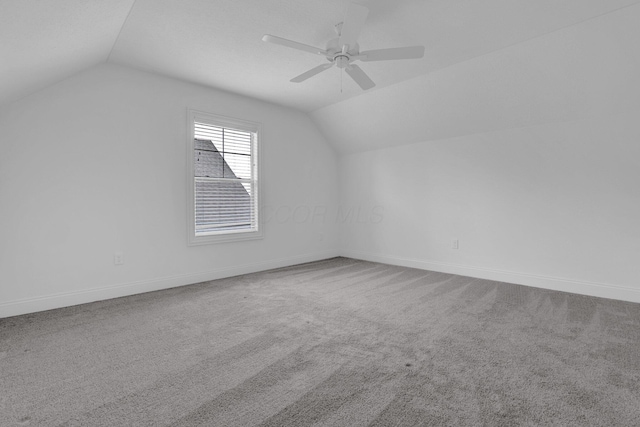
[
  {"x": 290, "y": 43},
  {"x": 352, "y": 25},
  {"x": 312, "y": 72},
  {"x": 409, "y": 52},
  {"x": 360, "y": 77}
]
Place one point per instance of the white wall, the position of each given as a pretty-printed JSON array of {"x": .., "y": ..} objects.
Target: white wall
[
  {"x": 97, "y": 164},
  {"x": 553, "y": 205}
]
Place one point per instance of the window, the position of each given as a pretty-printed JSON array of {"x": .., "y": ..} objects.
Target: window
[{"x": 223, "y": 179}]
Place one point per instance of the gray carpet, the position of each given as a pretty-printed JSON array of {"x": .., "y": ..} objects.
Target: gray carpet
[{"x": 334, "y": 343}]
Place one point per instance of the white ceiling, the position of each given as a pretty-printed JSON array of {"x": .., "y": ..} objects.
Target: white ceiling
[
  {"x": 489, "y": 64},
  {"x": 586, "y": 70}
]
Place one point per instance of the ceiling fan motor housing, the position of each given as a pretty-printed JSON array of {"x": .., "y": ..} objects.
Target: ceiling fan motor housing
[{"x": 336, "y": 54}]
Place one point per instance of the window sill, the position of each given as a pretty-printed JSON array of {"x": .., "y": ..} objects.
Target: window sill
[{"x": 224, "y": 238}]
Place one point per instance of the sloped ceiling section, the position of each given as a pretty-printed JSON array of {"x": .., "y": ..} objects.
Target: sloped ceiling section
[
  {"x": 42, "y": 42},
  {"x": 218, "y": 43},
  {"x": 589, "y": 69},
  {"x": 489, "y": 64}
]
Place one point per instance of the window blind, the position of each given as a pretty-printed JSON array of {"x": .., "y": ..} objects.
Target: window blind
[{"x": 225, "y": 180}]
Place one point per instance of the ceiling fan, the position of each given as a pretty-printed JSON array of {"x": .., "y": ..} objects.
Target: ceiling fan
[{"x": 344, "y": 50}]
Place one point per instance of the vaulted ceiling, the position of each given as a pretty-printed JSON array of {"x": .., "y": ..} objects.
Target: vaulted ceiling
[{"x": 489, "y": 64}]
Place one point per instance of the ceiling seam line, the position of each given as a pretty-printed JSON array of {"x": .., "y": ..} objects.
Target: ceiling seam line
[{"x": 120, "y": 31}]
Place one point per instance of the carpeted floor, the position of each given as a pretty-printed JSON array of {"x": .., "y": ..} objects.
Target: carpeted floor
[{"x": 334, "y": 343}]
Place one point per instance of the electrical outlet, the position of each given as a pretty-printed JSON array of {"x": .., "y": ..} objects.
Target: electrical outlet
[
  {"x": 455, "y": 244},
  {"x": 118, "y": 258}
]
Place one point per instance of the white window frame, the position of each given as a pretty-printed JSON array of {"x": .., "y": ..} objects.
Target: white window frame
[{"x": 231, "y": 123}]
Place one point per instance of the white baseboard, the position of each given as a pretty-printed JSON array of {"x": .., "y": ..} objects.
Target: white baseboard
[
  {"x": 66, "y": 299},
  {"x": 602, "y": 290}
]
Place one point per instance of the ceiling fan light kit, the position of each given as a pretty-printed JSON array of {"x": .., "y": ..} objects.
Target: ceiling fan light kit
[{"x": 343, "y": 50}]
